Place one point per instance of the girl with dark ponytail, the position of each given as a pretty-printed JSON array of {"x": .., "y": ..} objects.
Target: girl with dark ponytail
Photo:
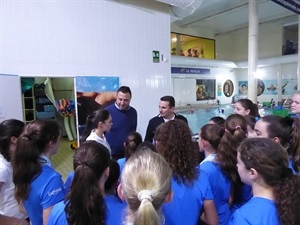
[
  {"x": 37, "y": 185},
  {"x": 96, "y": 125},
  {"x": 263, "y": 164},
  {"x": 84, "y": 204}
]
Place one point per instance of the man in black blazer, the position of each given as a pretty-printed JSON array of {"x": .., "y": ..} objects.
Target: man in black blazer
[{"x": 166, "y": 113}]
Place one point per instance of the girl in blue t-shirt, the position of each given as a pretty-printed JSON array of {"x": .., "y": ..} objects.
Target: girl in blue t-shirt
[
  {"x": 37, "y": 185},
  {"x": 192, "y": 192},
  {"x": 133, "y": 140},
  {"x": 84, "y": 204},
  {"x": 235, "y": 132},
  {"x": 145, "y": 185},
  {"x": 209, "y": 138},
  {"x": 263, "y": 164},
  {"x": 285, "y": 131}
]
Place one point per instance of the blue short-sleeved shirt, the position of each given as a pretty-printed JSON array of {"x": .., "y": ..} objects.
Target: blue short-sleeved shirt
[
  {"x": 115, "y": 213},
  {"x": 220, "y": 186},
  {"x": 69, "y": 181},
  {"x": 187, "y": 202},
  {"x": 58, "y": 215},
  {"x": 257, "y": 211},
  {"x": 46, "y": 190},
  {"x": 121, "y": 163}
]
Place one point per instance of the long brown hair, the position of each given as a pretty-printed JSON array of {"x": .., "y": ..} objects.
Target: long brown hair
[
  {"x": 26, "y": 165},
  {"x": 270, "y": 160},
  {"x": 85, "y": 203}
]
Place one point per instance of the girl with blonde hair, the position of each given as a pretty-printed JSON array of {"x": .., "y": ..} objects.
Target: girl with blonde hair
[{"x": 145, "y": 185}]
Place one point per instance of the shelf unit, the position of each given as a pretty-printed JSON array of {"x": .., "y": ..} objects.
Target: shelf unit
[{"x": 28, "y": 106}]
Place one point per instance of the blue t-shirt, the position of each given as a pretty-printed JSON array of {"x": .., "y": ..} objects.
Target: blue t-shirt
[
  {"x": 257, "y": 211},
  {"x": 46, "y": 190},
  {"x": 58, "y": 215},
  {"x": 243, "y": 195},
  {"x": 116, "y": 210},
  {"x": 291, "y": 167},
  {"x": 186, "y": 205},
  {"x": 121, "y": 163},
  {"x": 69, "y": 181},
  {"x": 220, "y": 186},
  {"x": 114, "y": 214}
]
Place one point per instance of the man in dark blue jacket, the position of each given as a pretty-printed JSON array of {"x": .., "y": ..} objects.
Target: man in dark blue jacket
[{"x": 166, "y": 113}]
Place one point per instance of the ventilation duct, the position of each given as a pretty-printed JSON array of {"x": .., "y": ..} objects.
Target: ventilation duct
[{"x": 182, "y": 8}]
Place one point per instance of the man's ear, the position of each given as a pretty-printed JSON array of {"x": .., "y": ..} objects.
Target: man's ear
[
  {"x": 169, "y": 196},
  {"x": 120, "y": 192}
]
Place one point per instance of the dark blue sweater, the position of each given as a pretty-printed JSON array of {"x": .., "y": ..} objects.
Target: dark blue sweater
[{"x": 124, "y": 122}]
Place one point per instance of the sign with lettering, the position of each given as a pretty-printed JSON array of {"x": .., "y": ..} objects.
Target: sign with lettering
[
  {"x": 182, "y": 70},
  {"x": 293, "y": 5}
]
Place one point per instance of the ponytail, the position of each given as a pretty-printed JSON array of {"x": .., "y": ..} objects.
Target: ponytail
[
  {"x": 146, "y": 211},
  {"x": 85, "y": 203},
  {"x": 294, "y": 149},
  {"x": 25, "y": 166},
  {"x": 286, "y": 193},
  {"x": 88, "y": 128}
]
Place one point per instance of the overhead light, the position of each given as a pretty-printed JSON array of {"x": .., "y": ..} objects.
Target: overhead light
[{"x": 174, "y": 39}]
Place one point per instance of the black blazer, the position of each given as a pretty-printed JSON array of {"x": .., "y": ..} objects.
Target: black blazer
[{"x": 155, "y": 122}]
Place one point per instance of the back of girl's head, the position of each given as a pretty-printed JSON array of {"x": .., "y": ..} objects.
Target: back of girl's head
[
  {"x": 146, "y": 183},
  {"x": 250, "y": 120},
  {"x": 235, "y": 132},
  {"x": 270, "y": 160},
  {"x": 146, "y": 145},
  {"x": 248, "y": 104},
  {"x": 134, "y": 139},
  {"x": 35, "y": 140},
  {"x": 86, "y": 204},
  {"x": 8, "y": 129},
  {"x": 217, "y": 120},
  {"x": 114, "y": 175},
  {"x": 93, "y": 120},
  {"x": 287, "y": 130},
  {"x": 174, "y": 143},
  {"x": 212, "y": 133}
]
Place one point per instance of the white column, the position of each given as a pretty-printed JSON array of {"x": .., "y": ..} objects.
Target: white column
[{"x": 252, "y": 49}]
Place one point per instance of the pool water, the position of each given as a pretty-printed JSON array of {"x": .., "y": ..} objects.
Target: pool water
[{"x": 200, "y": 117}]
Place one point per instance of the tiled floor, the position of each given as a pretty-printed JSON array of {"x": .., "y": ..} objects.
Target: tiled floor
[{"x": 63, "y": 160}]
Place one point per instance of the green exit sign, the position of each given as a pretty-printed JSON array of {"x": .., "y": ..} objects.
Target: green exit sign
[{"x": 155, "y": 55}]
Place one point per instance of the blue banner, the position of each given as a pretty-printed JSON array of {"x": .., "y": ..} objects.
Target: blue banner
[
  {"x": 293, "y": 5},
  {"x": 182, "y": 70}
]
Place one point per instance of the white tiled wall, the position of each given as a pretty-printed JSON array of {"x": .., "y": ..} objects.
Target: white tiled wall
[{"x": 105, "y": 38}]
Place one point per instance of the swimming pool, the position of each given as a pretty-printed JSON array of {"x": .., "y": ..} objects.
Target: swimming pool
[{"x": 200, "y": 117}]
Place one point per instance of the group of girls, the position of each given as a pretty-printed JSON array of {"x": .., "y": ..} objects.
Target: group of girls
[
  {"x": 30, "y": 187},
  {"x": 242, "y": 180},
  {"x": 253, "y": 171}
]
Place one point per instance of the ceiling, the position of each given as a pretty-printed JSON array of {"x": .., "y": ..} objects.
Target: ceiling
[{"x": 222, "y": 16}]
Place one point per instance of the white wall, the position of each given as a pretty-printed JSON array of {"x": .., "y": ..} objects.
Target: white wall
[
  {"x": 275, "y": 72},
  {"x": 105, "y": 38},
  {"x": 233, "y": 46},
  {"x": 186, "y": 94}
]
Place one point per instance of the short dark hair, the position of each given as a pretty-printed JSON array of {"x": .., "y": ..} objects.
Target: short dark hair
[
  {"x": 169, "y": 99},
  {"x": 125, "y": 89}
]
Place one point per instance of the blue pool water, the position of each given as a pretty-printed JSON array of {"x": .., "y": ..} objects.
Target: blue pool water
[{"x": 200, "y": 117}]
